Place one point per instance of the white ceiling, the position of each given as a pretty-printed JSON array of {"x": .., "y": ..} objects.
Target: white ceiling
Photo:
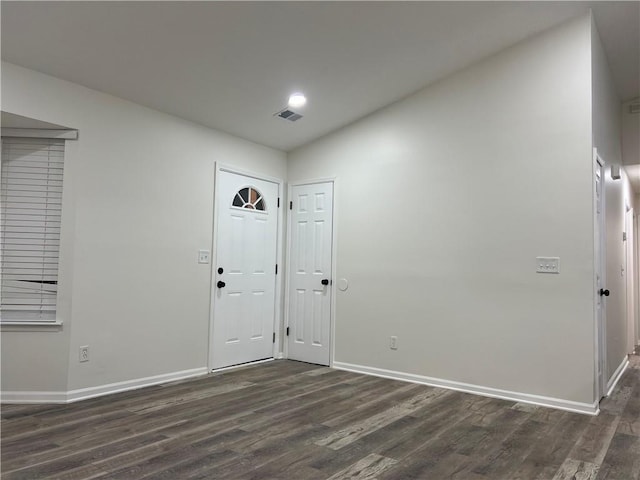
[{"x": 231, "y": 65}]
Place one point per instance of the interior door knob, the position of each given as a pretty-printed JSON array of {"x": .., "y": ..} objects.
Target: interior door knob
[
  {"x": 604, "y": 293},
  {"x": 220, "y": 284},
  {"x": 325, "y": 281}
]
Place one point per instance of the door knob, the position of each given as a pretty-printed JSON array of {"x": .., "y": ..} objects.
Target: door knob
[
  {"x": 324, "y": 281},
  {"x": 604, "y": 292},
  {"x": 220, "y": 284}
]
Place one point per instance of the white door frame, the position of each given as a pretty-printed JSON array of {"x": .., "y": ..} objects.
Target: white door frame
[
  {"x": 600, "y": 330},
  {"x": 214, "y": 256},
  {"x": 333, "y": 283},
  {"x": 636, "y": 277},
  {"x": 630, "y": 276}
]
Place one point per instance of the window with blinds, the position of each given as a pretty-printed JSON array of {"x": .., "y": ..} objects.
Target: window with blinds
[{"x": 31, "y": 194}]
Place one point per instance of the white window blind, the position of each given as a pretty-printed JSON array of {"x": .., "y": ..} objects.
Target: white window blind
[{"x": 31, "y": 195}]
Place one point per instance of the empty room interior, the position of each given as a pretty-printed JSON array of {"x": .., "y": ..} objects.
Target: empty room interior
[{"x": 320, "y": 240}]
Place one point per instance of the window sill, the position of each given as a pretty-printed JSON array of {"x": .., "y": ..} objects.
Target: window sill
[{"x": 9, "y": 326}]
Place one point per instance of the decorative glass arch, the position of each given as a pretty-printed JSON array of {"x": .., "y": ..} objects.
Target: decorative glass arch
[{"x": 249, "y": 198}]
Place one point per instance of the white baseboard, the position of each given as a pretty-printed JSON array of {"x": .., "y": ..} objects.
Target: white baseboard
[
  {"x": 613, "y": 381},
  {"x": 33, "y": 397},
  {"x": 91, "y": 392},
  {"x": 568, "y": 405}
]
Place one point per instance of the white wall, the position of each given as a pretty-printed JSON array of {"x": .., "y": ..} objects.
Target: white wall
[
  {"x": 443, "y": 202},
  {"x": 630, "y": 134},
  {"x": 138, "y": 206},
  {"x": 618, "y": 196},
  {"x": 475, "y": 175}
]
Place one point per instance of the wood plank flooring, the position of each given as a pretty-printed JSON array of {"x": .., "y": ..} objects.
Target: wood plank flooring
[{"x": 290, "y": 420}]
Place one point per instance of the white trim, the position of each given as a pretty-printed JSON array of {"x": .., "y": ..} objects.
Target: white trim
[
  {"x": 636, "y": 278},
  {"x": 613, "y": 381},
  {"x": 213, "y": 269},
  {"x": 61, "y": 134},
  {"x": 313, "y": 181},
  {"x": 91, "y": 392},
  {"x": 241, "y": 365},
  {"x": 334, "y": 273},
  {"x": 277, "y": 314},
  {"x": 246, "y": 173},
  {"x": 599, "y": 329},
  {"x": 33, "y": 397},
  {"x": 10, "y": 326},
  {"x": 568, "y": 405},
  {"x": 279, "y": 317},
  {"x": 285, "y": 341},
  {"x": 629, "y": 277}
]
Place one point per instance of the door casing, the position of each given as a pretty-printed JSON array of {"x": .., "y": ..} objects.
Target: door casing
[
  {"x": 278, "y": 286},
  {"x": 636, "y": 277},
  {"x": 630, "y": 277},
  {"x": 333, "y": 282},
  {"x": 600, "y": 322}
]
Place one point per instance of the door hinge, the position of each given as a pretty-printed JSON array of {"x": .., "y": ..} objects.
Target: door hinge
[
  {"x": 276, "y": 268},
  {"x": 274, "y": 337},
  {"x": 291, "y": 205},
  {"x": 278, "y": 202},
  {"x": 624, "y": 236},
  {"x": 287, "y": 331}
]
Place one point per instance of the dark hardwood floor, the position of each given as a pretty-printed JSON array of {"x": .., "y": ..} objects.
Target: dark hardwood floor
[{"x": 290, "y": 420}]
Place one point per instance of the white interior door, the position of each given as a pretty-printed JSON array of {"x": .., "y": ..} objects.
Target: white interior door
[
  {"x": 244, "y": 269},
  {"x": 310, "y": 273},
  {"x": 599, "y": 268}
]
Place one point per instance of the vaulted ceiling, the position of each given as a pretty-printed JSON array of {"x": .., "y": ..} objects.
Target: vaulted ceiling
[{"x": 232, "y": 65}]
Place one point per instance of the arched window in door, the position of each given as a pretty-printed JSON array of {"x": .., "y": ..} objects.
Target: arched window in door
[{"x": 249, "y": 198}]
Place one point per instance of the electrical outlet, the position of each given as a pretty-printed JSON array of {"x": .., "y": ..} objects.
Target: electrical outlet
[
  {"x": 393, "y": 343},
  {"x": 84, "y": 354}
]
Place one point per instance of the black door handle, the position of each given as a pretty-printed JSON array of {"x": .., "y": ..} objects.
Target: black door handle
[
  {"x": 325, "y": 281},
  {"x": 604, "y": 293},
  {"x": 220, "y": 284}
]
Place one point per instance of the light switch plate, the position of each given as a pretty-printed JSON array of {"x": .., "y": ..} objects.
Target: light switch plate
[
  {"x": 203, "y": 256},
  {"x": 548, "y": 264}
]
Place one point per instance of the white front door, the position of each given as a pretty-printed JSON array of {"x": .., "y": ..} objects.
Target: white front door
[
  {"x": 244, "y": 269},
  {"x": 310, "y": 273},
  {"x": 601, "y": 380}
]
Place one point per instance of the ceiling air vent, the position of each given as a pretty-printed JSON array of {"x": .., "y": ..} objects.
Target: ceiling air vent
[
  {"x": 288, "y": 115},
  {"x": 634, "y": 108}
]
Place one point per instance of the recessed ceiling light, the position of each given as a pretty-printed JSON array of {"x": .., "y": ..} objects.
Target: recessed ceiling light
[{"x": 297, "y": 100}]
